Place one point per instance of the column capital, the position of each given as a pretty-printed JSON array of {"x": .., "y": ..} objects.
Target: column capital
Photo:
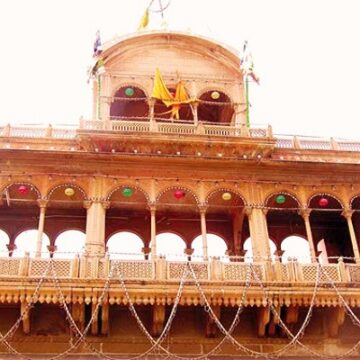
[
  {"x": 248, "y": 211},
  {"x": 87, "y": 204},
  {"x": 106, "y": 204},
  {"x": 347, "y": 213},
  {"x": 42, "y": 203},
  {"x": 152, "y": 207},
  {"x": 202, "y": 208},
  {"x": 305, "y": 213},
  {"x": 265, "y": 211}
]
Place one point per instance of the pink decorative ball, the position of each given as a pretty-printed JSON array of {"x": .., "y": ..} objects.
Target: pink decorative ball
[
  {"x": 179, "y": 194},
  {"x": 323, "y": 202},
  {"x": 23, "y": 189}
]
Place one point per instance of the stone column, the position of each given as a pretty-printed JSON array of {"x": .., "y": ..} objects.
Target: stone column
[
  {"x": 194, "y": 108},
  {"x": 258, "y": 233},
  {"x": 152, "y": 121},
  {"x": 42, "y": 205},
  {"x": 347, "y": 213},
  {"x": 305, "y": 213},
  {"x": 202, "y": 210},
  {"x": 95, "y": 227},
  {"x": 153, "y": 231}
]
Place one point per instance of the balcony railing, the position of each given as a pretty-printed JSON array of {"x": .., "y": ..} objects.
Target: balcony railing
[
  {"x": 160, "y": 269},
  {"x": 183, "y": 129}
]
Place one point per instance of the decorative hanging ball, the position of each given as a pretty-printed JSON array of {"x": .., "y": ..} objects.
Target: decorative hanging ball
[
  {"x": 179, "y": 194},
  {"x": 215, "y": 95},
  {"x": 280, "y": 199},
  {"x": 323, "y": 202},
  {"x": 69, "y": 191},
  {"x": 127, "y": 192},
  {"x": 23, "y": 189},
  {"x": 129, "y": 91},
  {"x": 226, "y": 196}
]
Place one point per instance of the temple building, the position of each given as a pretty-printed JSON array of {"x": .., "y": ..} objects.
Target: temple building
[{"x": 167, "y": 226}]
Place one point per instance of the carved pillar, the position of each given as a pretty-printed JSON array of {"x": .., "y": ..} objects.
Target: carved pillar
[
  {"x": 258, "y": 233},
  {"x": 42, "y": 205},
  {"x": 158, "y": 319},
  {"x": 95, "y": 227},
  {"x": 105, "y": 317},
  {"x": 152, "y": 121},
  {"x": 94, "y": 325},
  {"x": 334, "y": 318},
  {"x": 194, "y": 108},
  {"x": 153, "y": 231},
  {"x": 202, "y": 210},
  {"x": 263, "y": 318},
  {"x": 26, "y": 318},
  {"x": 348, "y": 216},
  {"x": 290, "y": 318},
  {"x": 211, "y": 328},
  {"x": 305, "y": 213},
  {"x": 78, "y": 314}
]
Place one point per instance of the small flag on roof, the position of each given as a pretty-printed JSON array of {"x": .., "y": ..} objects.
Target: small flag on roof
[
  {"x": 97, "y": 45},
  {"x": 247, "y": 63}
]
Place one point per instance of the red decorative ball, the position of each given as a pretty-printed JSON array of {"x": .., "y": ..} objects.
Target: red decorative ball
[
  {"x": 323, "y": 202},
  {"x": 23, "y": 189},
  {"x": 179, "y": 194}
]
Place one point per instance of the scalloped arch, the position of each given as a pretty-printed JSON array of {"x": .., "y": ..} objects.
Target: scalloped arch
[
  {"x": 119, "y": 186},
  {"x": 64, "y": 185},
  {"x": 31, "y": 185},
  {"x": 326, "y": 194},
  {"x": 180, "y": 187},
  {"x": 225, "y": 189}
]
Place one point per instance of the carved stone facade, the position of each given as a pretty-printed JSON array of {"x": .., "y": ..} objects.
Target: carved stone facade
[{"x": 133, "y": 169}]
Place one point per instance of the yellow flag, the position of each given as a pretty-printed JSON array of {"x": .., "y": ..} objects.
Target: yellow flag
[
  {"x": 181, "y": 97},
  {"x": 144, "y": 20},
  {"x": 160, "y": 91}
]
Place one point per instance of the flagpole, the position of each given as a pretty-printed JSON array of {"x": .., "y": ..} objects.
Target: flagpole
[{"x": 247, "y": 101}]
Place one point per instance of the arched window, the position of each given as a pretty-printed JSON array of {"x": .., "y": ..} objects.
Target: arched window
[
  {"x": 170, "y": 245},
  {"x": 125, "y": 245},
  {"x": 296, "y": 247},
  {"x": 69, "y": 243},
  {"x": 249, "y": 251},
  {"x": 215, "y": 107},
  {"x": 26, "y": 242},
  {"x": 4, "y": 240},
  {"x": 216, "y": 247},
  {"x": 129, "y": 102}
]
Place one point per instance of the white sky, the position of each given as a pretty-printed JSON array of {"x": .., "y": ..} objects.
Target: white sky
[{"x": 306, "y": 52}]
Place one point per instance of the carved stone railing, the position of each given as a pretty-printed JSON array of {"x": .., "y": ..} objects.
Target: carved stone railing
[{"x": 163, "y": 270}]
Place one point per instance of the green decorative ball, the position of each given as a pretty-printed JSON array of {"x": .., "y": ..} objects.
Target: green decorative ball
[
  {"x": 280, "y": 199},
  {"x": 127, "y": 192},
  {"x": 129, "y": 91}
]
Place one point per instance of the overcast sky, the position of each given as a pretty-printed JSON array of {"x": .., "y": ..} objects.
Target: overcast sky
[{"x": 306, "y": 53}]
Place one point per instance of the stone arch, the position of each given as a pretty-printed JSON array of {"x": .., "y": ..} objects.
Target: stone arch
[
  {"x": 68, "y": 243},
  {"x": 31, "y": 245},
  {"x": 326, "y": 194},
  {"x": 30, "y": 185},
  {"x": 135, "y": 252},
  {"x": 169, "y": 254},
  {"x": 177, "y": 187},
  {"x": 125, "y": 106},
  {"x": 64, "y": 186},
  {"x": 219, "y": 110},
  {"x": 127, "y": 230},
  {"x": 225, "y": 189},
  {"x": 127, "y": 185},
  {"x": 126, "y": 84},
  {"x": 301, "y": 251},
  {"x": 270, "y": 196},
  {"x": 219, "y": 88},
  {"x": 354, "y": 202},
  {"x": 212, "y": 239}
]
